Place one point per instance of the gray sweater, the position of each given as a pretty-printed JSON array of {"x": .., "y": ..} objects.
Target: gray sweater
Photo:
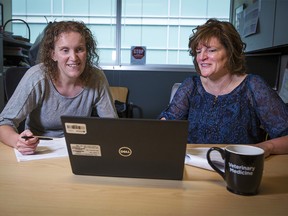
[{"x": 37, "y": 100}]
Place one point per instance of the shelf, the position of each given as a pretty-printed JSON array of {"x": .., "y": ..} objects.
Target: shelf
[
  {"x": 283, "y": 49},
  {"x": 15, "y": 50},
  {"x": 17, "y": 43}
]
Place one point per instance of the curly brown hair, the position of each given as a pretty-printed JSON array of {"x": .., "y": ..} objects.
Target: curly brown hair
[
  {"x": 228, "y": 36},
  {"x": 53, "y": 32}
]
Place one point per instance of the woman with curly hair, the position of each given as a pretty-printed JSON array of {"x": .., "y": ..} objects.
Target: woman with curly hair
[{"x": 66, "y": 82}]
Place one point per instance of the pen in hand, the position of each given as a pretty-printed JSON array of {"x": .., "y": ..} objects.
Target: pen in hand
[{"x": 40, "y": 138}]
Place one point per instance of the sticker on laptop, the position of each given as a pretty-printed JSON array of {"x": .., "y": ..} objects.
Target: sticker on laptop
[
  {"x": 85, "y": 150},
  {"x": 75, "y": 128}
]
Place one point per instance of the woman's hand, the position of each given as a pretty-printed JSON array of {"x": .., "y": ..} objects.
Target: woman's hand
[
  {"x": 267, "y": 147},
  {"x": 26, "y": 146},
  {"x": 275, "y": 146}
]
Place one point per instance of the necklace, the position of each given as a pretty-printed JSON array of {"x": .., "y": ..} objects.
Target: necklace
[{"x": 220, "y": 92}]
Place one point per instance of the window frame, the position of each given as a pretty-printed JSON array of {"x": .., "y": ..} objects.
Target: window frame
[{"x": 118, "y": 65}]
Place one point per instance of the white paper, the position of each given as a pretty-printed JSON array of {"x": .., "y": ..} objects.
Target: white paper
[
  {"x": 46, "y": 149},
  {"x": 251, "y": 17},
  {"x": 197, "y": 157},
  {"x": 284, "y": 87}
]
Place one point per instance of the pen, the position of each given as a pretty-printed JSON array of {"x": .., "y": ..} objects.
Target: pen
[{"x": 40, "y": 138}]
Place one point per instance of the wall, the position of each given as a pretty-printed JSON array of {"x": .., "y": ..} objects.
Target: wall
[
  {"x": 270, "y": 31},
  {"x": 7, "y": 11},
  {"x": 149, "y": 91}
]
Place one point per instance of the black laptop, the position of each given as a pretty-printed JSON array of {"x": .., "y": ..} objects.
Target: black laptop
[{"x": 126, "y": 147}]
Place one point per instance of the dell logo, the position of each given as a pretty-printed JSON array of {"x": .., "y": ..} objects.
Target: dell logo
[{"x": 125, "y": 151}]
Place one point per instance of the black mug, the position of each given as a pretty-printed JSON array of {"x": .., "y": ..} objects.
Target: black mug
[{"x": 243, "y": 167}]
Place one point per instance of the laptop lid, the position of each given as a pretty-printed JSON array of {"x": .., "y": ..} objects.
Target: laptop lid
[{"x": 126, "y": 147}]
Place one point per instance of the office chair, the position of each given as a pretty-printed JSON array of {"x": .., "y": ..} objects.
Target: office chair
[
  {"x": 119, "y": 93},
  {"x": 12, "y": 77},
  {"x": 120, "y": 97},
  {"x": 173, "y": 90}
]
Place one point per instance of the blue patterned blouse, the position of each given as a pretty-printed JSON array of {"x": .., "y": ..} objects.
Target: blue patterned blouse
[{"x": 236, "y": 117}]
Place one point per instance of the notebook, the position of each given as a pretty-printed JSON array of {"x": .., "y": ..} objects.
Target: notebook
[{"x": 126, "y": 147}]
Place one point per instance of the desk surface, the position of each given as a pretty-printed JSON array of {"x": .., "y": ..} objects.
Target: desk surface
[{"x": 48, "y": 187}]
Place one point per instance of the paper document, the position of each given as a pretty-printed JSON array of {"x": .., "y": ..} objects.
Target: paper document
[
  {"x": 197, "y": 157},
  {"x": 251, "y": 17},
  {"x": 284, "y": 87},
  {"x": 46, "y": 149}
]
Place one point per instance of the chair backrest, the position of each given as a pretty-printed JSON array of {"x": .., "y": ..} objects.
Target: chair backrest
[
  {"x": 173, "y": 90},
  {"x": 12, "y": 77},
  {"x": 119, "y": 93},
  {"x": 120, "y": 97}
]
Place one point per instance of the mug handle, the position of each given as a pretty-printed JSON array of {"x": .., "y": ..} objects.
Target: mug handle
[{"x": 222, "y": 153}]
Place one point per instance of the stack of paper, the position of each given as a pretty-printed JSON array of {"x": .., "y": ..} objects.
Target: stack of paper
[
  {"x": 197, "y": 157},
  {"x": 46, "y": 149}
]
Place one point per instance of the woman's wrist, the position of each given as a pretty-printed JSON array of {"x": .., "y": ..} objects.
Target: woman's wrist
[{"x": 267, "y": 146}]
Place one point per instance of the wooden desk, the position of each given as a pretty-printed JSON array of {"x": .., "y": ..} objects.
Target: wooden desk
[{"x": 48, "y": 187}]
